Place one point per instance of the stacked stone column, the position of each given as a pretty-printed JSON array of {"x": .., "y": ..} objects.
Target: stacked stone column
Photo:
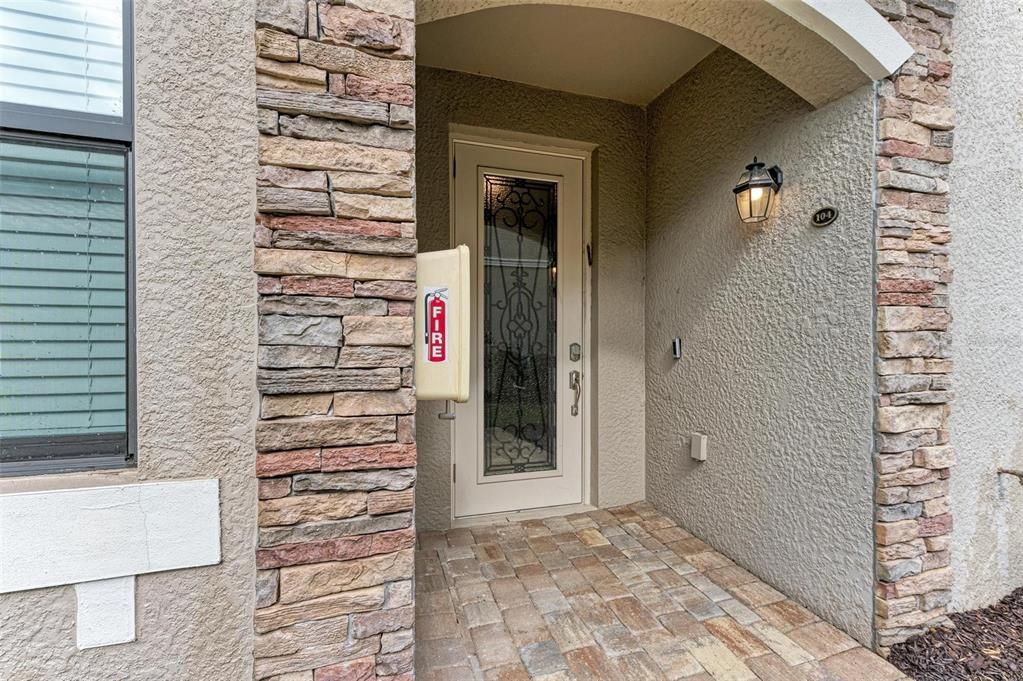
[
  {"x": 334, "y": 251},
  {"x": 913, "y": 456}
]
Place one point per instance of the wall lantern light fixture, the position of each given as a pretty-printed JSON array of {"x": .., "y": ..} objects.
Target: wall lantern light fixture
[{"x": 754, "y": 193}]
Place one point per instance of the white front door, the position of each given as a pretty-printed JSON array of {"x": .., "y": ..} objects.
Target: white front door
[{"x": 519, "y": 440}]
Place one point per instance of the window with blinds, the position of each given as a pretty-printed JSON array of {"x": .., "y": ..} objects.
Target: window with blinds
[
  {"x": 66, "y": 367},
  {"x": 62, "y": 54},
  {"x": 62, "y": 292}
]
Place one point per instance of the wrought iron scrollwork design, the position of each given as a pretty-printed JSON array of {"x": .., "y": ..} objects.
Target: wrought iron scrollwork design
[{"x": 520, "y": 325}]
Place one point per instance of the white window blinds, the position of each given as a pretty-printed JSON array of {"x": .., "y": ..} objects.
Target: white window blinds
[
  {"x": 62, "y": 291},
  {"x": 63, "y": 54}
]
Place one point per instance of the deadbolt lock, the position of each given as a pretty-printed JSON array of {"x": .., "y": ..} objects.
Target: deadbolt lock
[{"x": 575, "y": 352}]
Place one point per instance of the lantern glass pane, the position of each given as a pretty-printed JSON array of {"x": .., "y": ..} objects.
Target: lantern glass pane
[
  {"x": 742, "y": 204},
  {"x": 760, "y": 202}
]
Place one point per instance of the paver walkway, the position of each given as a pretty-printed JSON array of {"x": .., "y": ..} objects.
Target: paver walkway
[{"x": 613, "y": 595}]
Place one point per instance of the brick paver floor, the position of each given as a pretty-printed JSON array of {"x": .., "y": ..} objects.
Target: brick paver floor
[{"x": 621, "y": 594}]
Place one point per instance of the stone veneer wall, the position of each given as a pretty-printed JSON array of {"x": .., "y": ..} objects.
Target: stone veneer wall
[
  {"x": 913, "y": 458},
  {"x": 335, "y": 246}
]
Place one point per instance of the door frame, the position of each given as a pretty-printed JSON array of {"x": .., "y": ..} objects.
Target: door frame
[{"x": 553, "y": 146}]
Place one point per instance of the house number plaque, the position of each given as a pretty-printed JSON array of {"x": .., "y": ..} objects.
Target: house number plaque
[{"x": 824, "y": 217}]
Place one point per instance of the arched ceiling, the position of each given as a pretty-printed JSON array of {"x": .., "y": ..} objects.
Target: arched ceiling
[
  {"x": 595, "y": 52},
  {"x": 821, "y": 49}
]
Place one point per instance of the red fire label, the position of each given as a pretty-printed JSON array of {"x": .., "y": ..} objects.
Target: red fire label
[{"x": 436, "y": 324}]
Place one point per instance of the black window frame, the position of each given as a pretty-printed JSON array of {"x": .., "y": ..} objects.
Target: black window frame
[{"x": 26, "y": 124}]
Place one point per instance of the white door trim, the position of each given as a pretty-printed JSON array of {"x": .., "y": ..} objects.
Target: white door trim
[{"x": 539, "y": 144}]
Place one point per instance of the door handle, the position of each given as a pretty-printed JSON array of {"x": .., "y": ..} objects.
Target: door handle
[{"x": 575, "y": 383}]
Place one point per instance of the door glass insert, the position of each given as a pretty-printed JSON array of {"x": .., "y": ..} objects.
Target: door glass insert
[{"x": 520, "y": 325}]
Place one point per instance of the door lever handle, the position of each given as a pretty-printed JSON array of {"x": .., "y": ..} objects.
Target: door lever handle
[
  {"x": 449, "y": 411},
  {"x": 575, "y": 383}
]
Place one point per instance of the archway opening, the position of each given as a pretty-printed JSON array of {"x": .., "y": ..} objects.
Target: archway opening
[{"x": 666, "y": 104}]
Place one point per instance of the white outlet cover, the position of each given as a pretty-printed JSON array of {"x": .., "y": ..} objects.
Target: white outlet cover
[{"x": 698, "y": 446}]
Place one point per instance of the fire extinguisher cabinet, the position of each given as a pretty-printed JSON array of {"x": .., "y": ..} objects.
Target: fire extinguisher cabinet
[{"x": 442, "y": 325}]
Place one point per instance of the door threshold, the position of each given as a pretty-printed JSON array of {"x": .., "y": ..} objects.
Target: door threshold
[{"x": 516, "y": 516}]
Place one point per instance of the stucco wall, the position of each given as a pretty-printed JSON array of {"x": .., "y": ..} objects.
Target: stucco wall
[
  {"x": 195, "y": 200},
  {"x": 444, "y": 97},
  {"x": 987, "y": 302},
  {"x": 776, "y": 333}
]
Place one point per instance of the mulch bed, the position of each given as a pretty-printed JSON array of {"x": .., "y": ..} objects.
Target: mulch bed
[{"x": 985, "y": 645}]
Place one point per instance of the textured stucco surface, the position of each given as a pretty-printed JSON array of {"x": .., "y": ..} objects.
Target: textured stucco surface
[
  {"x": 776, "y": 333},
  {"x": 638, "y": 57},
  {"x": 445, "y": 97},
  {"x": 195, "y": 180},
  {"x": 987, "y": 302},
  {"x": 782, "y": 45}
]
